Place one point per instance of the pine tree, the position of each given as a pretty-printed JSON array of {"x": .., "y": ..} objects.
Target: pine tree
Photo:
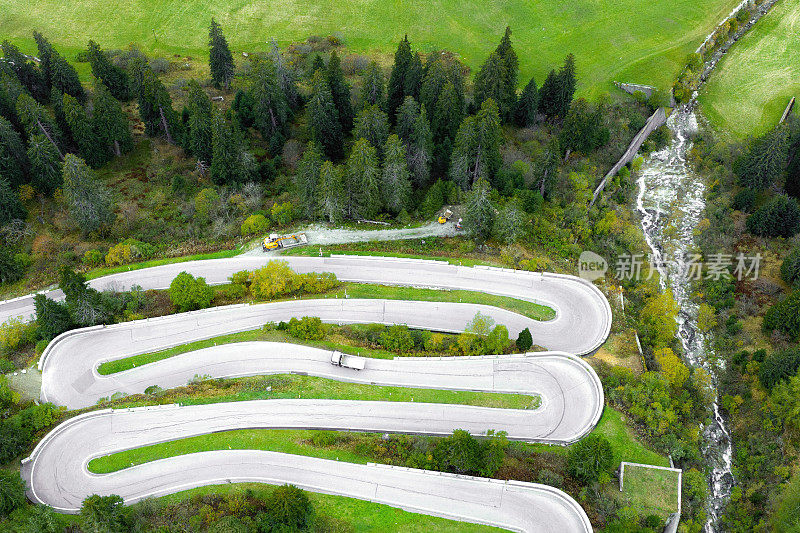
[
  {"x": 306, "y": 179},
  {"x": 109, "y": 121},
  {"x": 508, "y": 99},
  {"x": 792, "y": 185},
  {"x": 89, "y": 144},
  {"x": 584, "y": 129},
  {"x": 441, "y": 70},
  {"x": 407, "y": 115},
  {"x": 331, "y": 193},
  {"x": 10, "y": 206},
  {"x": 52, "y": 318},
  {"x": 413, "y": 81},
  {"x": 395, "y": 182},
  {"x": 57, "y": 102},
  {"x": 765, "y": 159},
  {"x": 323, "y": 119},
  {"x": 318, "y": 64},
  {"x": 155, "y": 109},
  {"x": 88, "y": 200},
  {"x": 372, "y": 124},
  {"x": 37, "y": 121},
  {"x": 340, "y": 91},
  {"x": 476, "y": 154},
  {"x": 10, "y": 89},
  {"x": 45, "y": 51},
  {"x": 286, "y": 77},
  {"x": 527, "y": 106},
  {"x": 220, "y": 60},
  {"x": 26, "y": 72},
  {"x": 415, "y": 132},
  {"x": 270, "y": 108},
  {"x": 230, "y": 162},
  {"x": 46, "y": 171},
  {"x": 372, "y": 87},
  {"x": 444, "y": 125},
  {"x": 490, "y": 82},
  {"x": 198, "y": 135},
  {"x": 112, "y": 76},
  {"x": 362, "y": 181},
  {"x": 479, "y": 212},
  {"x": 547, "y": 167},
  {"x": 13, "y": 159},
  {"x": 567, "y": 85},
  {"x": 397, "y": 79}
]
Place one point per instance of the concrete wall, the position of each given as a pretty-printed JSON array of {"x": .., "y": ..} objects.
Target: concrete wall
[
  {"x": 656, "y": 120},
  {"x": 631, "y": 88}
]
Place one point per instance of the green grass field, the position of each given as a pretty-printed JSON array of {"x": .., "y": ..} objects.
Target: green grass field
[
  {"x": 651, "y": 491},
  {"x": 754, "y": 82},
  {"x": 627, "y": 40}
]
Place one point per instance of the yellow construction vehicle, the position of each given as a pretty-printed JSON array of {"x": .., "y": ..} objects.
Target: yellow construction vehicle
[
  {"x": 444, "y": 217},
  {"x": 276, "y": 242}
]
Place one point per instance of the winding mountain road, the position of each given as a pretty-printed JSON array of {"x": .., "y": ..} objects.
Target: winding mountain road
[
  {"x": 571, "y": 394},
  {"x": 581, "y": 325}
]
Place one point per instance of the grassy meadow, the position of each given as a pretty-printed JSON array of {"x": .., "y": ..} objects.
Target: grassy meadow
[
  {"x": 627, "y": 40},
  {"x": 754, "y": 82}
]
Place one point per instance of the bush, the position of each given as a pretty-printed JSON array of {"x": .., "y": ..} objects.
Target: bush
[
  {"x": 15, "y": 332},
  {"x": 784, "y": 316},
  {"x": 525, "y": 340},
  {"x": 276, "y": 279},
  {"x": 745, "y": 200},
  {"x": 282, "y": 214},
  {"x": 308, "y": 328},
  {"x": 397, "y": 339},
  {"x": 589, "y": 458},
  {"x": 206, "y": 202},
  {"x": 52, "y": 318},
  {"x": 93, "y": 258},
  {"x": 188, "y": 293},
  {"x": 790, "y": 268},
  {"x": 779, "y": 366},
  {"x": 119, "y": 254},
  {"x": 287, "y": 509},
  {"x": 12, "y": 492},
  {"x": 255, "y": 224},
  {"x": 780, "y": 217}
]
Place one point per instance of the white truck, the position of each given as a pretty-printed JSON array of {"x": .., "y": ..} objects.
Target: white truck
[{"x": 348, "y": 361}]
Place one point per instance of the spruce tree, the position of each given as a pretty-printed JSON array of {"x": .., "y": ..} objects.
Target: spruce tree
[
  {"x": 527, "y": 106},
  {"x": 37, "y": 121},
  {"x": 765, "y": 159},
  {"x": 89, "y": 144},
  {"x": 372, "y": 124},
  {"x": 26, "y": 72},
  {"x": 286, "y": 76},
  {"x": 230, "y": 162},
  {"x": 109, "y": 121},
  {"x": 332, "y": 201},
  {"x": 792, "y": 185},
  {"x": 415, "y": 132},
  {"x": 340, "y": 91},
  {"x": 372, "y": 87},
  {"x": 441, "y": 70},
  {"x": 476, "y": 154},
  {"x": 52, "y": 318},
  {"x": 10, "y": 88},
  {"x": 88, "y": 200},
  {"x": 10, "y": 206},
  {"x": 548, "y": 95},
  {"x": 445, "y": 122},
  {"x": 567, "y": 85},
  {"x": 46, "y": 171},
  {"x": 323, "y": 119},
  {"x": 306, "y": 179},
  {"x": 414, "y": 74},
  {"x": 64, "y": 77},
  {"x": 13, "y": 159},
  {"x": 317, "y": 64},
  {"x": 407, "y": 115},
  {"x": 112, "y": 76},
  {"x": 395, "y": 182},
  {"x": 508, "y": 99},
  {"x": 397, "y": 79},
  {"x": 547, "y": 167},
  {"x": 270, "y": 107},
  {"x": 479, "y": 212},
  {"x": 155, "y": 109},
  {"x": 198, "y": 135},
  {"x": 57, "y": 103},
  {"x": 362, "y": 181},
  {"x": 490, "y": 82},
  {"x": 220, "y": 60},
  {"x": 45, "y": 51}
]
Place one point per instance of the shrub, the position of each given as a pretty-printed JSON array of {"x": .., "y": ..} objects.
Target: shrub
[
  {"x": 188, "y": 293},
  {"x": 206, "y": 202},
  {"x": 52, "y": 318},
  {"x": 779, "y": 366},
  {"x": 589, "y": 458},
  {"x": 397, "y": 338},
  {"x": 745, "y": 200},
  {"x": 15, "y": 332},
  {"x": 255, "y": 224},
  {"x": 790, "y": 268},
  {"x": 784, "y": 316},
  {"x": 240, "y": 278},
  {"x": 282, "y": 214},
  {"x": 780, "y": 217},
  {"x": 525, "y": 340},
  {"x": 93, "y": 258},
  {"x": 308, "y": 328},
  {"x": 287, "y": 509},
  {"x": 119, "y": 254},
  {"x": 12, "y": 492}
]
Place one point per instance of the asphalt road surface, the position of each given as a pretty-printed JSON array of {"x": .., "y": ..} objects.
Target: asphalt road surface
[
  {"x": 581, "y": 325},
  {"x": 571, "y": 404}
]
